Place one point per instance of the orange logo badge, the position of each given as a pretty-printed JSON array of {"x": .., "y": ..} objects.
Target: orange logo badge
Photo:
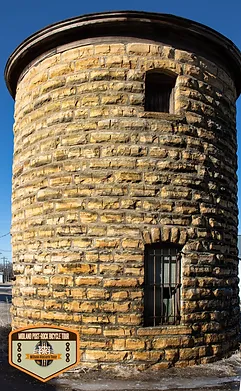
[{"x": 43, "y": 351}]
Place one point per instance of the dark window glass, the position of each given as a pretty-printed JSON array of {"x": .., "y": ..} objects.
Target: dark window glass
[
  {"x": 159, "y": 92},
  {"x": 162, "y": 285}
]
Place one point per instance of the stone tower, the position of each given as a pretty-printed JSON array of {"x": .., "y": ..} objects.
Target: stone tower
[{"x": 124, "y": 198}]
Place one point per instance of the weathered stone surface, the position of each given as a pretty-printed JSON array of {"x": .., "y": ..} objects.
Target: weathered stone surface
[{"x": 96, "y": 178}]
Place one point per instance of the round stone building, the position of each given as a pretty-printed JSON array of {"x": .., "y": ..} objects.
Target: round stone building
[{"x": 124, "y": 197}]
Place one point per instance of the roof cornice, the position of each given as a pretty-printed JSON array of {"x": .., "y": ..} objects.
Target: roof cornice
[{"x": 165, "y": 28}]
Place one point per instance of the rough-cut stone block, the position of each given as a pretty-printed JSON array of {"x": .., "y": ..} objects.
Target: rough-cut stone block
[{"x": 97, "y": 179}]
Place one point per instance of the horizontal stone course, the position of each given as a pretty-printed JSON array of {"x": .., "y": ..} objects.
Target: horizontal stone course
[{"x": 96, "y": 178}]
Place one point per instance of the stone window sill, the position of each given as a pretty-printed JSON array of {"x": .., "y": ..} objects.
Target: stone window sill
[
  {"x": 162, "y": 116},
  {"x": 165, "y": 330}
]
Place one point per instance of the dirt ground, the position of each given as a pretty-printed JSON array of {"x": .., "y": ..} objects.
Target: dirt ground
[{"x": 224, "y": 375}]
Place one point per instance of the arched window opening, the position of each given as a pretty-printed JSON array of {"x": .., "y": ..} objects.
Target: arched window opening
[
  {"x": 159, "y": 92},
  {"x": 162, "y": 265}
]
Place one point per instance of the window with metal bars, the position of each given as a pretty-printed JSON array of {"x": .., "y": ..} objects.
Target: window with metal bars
[
  {"x": 162, "y": 284},
  {"x": 159, "y": 92}
]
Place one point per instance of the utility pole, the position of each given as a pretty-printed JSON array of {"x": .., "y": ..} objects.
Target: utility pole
[{"x": 5, "y": 269}]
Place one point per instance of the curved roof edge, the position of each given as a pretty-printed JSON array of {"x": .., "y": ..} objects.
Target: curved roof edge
[{"x": 166, "y": 28}]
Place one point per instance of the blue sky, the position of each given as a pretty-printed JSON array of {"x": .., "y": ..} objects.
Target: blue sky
[{"x": 21, "y": 18}]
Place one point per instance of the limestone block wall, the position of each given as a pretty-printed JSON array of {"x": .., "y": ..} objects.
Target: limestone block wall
[{"x": 95, "y": 178}]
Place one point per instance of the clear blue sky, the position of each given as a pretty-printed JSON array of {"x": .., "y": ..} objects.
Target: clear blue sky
[{"x": 21, "y": 18}]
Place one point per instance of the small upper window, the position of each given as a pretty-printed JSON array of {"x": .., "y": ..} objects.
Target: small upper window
[
  {"x": 159, "y": 92},
  {"x": 162, "y": 284}
]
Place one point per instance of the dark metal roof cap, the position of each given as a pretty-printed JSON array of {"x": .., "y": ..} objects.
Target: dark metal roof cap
[{"x": 180, "y": 32}]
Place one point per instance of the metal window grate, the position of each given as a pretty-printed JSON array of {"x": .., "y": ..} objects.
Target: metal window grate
[{"x": 162, "y": 286}]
